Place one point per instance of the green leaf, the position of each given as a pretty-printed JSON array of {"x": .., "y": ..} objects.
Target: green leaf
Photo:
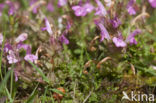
[
  {"x": 77, "y": 51},
  {"x": 9, "y": 96},
  {"x": 5, "y": 80}
]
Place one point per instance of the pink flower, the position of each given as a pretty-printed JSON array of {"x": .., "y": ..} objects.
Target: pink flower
[
  {"x": 104, "y": 32},
  {"x": 50, "y": 7},
  {"x": 12, "y": 57},
  {"x": 48, "y": 27},
  {"x": 88, "y": 7},
  {"x": 152, "y": 3},
  {"x": 83, "y": 10},
  {"x": 115, "y": 22},
  {"x": 7, "y": 48},
  {"x": 131, "y": 37},
  {"x": 119, "y": 42},
  {"x": 63, "y": 39},
  {"x": 62, "y": 3},
  {"x": 130, "y": 7},
  {"x": 100, "y": 10},
  {"x": 30, "y": 57},
  {"x": 22, "y": 37},
  {"x": 24, "y": 46},
  {"x": 79, "y": 11},
  {"x": 32, "y": 2},
  {"x": 13, "y": 6}
]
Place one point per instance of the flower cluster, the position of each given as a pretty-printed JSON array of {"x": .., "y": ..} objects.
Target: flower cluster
[
  {"x": 12, "y": 51},
  {"x": 82, "y": 9},
  {"x": 119, "y": 42},
  {"x": 13, "y": 6}
]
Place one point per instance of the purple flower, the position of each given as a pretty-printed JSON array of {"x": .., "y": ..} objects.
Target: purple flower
[
  {"x": 100, "y": 10},
  {"x": 88, "y": 7},
  {"x": 118, "y": 41},
  {"x": 62, "y": 3},
  {"x": 7, "y": 48},
  {"x": 22, "y": 37},
  {"x": 68, "y": 25},
  {"x": 1, "y": 39},
  {"x": 131, "y": 37},
  {"x": 115, "y": 22},
  {"x": 63, "y": 39},
  {"x": 30, "y": 57},
  {"x": 25, "y": 47},
  {"x": 104, "y": 32},
  {"x": 152, "y": 3},
  {"x": 48, "y": 27},
  {"x": 12, "y": 7},
  {"x": 79, "y": 11},
  {"x": 130, "y": 7},
  {"x": 12, "y": 57},
  {"x": 83, "y": 10},
  {"x": 50, "y": 7},
  {"x": 131, "y": 10},
  {"x": 35, "y": 7}
]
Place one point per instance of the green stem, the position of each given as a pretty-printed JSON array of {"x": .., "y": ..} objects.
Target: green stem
[
  {"x": 11, "y": 84},
  {"x": 1, "y": 56}
]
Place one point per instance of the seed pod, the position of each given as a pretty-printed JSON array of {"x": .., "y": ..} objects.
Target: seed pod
[{"x": 59, "y": 96}]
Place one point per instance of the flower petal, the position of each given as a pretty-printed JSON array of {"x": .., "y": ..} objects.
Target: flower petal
[
  {"x": 100, "y": 10},
  {"x": 152, "y": 3},
  {"x": 62, "y": 3},
  {"x": 22, "y": 37},
  {"x": 30, "y": 57},
  {"x": 119, "y": 42}
]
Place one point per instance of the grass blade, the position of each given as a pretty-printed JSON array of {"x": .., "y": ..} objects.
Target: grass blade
[
  {"x": 5, "y": 80},
  {"x": 33, "y": 94},
  {"x": 40, "y": 72}
]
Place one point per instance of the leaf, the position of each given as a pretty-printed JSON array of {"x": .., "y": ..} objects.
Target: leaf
[
  {"x": 146, "y": 70},
  {"x": 9, "y": 96},
  {"x": 77, "y": 51},
  {"x": 5, "y": 80}
]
